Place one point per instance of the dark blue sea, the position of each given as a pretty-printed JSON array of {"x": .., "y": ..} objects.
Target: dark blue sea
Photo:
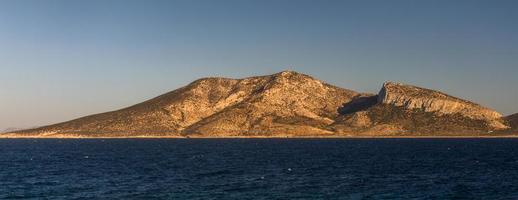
[{"x": 259, "y": 168}]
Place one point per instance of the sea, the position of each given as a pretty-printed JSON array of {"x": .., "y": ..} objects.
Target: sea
[{"x": 259, "y": 168}]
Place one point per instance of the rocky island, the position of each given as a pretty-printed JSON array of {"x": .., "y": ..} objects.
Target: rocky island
[{"x": 287, "y": 104}]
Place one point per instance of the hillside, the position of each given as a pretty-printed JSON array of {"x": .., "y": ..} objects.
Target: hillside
[
  {"x": 401, "y": 109},
  {"x": 285, "y": 104},
  {"x": 281, "y": 103},
  {"x": 513, "y": 121}
]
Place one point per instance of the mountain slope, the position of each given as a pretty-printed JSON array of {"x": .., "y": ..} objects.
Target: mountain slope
[
  {"x": 290, "y": 103},
  {"x": 286, "y": 104},
  {"x": 513, "y": 121},
  {"x": 412, "y": 97},
  {"x": 401, "y": 109},
  {"x": 219, "y": 106}
]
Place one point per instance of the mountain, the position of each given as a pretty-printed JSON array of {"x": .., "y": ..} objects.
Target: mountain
[
  {"x": 284, "y": 104},
  {"x": 513, "y": 121},
  {"x": 401, "y": 109}
]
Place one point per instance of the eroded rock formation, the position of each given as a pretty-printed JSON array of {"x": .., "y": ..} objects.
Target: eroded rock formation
[{"x": 412, "y": 97}]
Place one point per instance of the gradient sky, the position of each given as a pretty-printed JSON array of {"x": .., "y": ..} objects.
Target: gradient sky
[{"x": 64, "y": 59}]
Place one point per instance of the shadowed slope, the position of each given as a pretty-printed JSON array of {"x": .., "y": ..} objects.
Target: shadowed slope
[{"x": 513, "y": 121}]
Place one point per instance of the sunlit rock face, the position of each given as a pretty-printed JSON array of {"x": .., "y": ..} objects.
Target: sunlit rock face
[
  {"x": 412, "y": 97},
  {"x": 285, "y": 103}
]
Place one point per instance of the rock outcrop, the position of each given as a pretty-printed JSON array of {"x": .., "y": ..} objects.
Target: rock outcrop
[
  {"x": 412, "y": 97},
  {"x": 400, "y": 109},
  {"x": 286, "y": 104}
]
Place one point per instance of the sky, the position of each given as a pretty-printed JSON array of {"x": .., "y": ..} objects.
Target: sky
[{"x": 61, "y": 60}]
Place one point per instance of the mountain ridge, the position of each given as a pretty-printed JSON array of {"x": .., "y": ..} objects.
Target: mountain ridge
[{"x": 285, "y": 104}]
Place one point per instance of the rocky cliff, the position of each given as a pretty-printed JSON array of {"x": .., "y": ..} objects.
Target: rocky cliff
[
  {"x": 412, "y": 97},
  {"x": 400, "y": 109},
  {"x": 286, "y": 104}
]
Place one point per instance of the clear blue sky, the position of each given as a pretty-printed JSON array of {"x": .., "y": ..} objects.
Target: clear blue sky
[{"x": 65, "y": 59}]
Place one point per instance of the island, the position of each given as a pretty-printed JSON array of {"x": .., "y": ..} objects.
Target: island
[{"x": 287, "y": 104}]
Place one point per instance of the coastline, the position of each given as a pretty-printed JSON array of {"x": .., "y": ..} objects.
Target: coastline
[{"x": 267, "y": 137}]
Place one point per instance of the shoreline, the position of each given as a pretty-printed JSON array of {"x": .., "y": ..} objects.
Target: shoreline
[{"x": 265, "y": 137}]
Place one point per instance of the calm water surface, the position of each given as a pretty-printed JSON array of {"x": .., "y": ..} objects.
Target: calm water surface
[{"x": 259, "y": 168}]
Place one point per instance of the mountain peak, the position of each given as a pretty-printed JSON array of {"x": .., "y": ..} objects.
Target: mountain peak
[
  {"x": 390, "y": 83},
  {"x": 290, "y": 74}
]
